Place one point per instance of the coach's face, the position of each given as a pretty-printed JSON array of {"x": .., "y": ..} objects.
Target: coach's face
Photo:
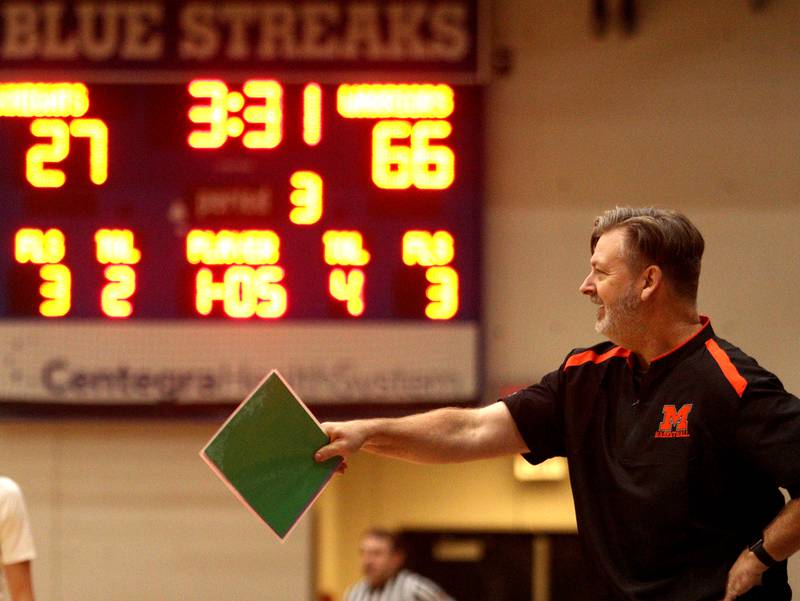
[
  {"x": 379, "y": 561},
  {"x": 611, "y": 285}
]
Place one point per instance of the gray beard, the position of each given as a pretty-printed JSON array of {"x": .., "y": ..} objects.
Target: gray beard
[{"x": 620, "y": 320}]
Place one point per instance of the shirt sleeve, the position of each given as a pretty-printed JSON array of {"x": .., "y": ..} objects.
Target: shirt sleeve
[
  {"x": 768, "y": 428},
  {"x": 16, "y": 541},
  {"x": 537, "y": 415}
]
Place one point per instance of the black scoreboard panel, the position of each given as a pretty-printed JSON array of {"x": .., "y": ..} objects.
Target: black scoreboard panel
[
  {"x": 254, "y": 202},
  {"x": 209, "y": 200},
  {"x": 170, "y": 237}
]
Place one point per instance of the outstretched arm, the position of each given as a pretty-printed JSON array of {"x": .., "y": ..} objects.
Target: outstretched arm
[{"x": 441, "y": 436}]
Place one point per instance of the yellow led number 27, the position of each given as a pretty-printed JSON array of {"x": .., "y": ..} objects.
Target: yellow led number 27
[{"x": 57, "y": 149}]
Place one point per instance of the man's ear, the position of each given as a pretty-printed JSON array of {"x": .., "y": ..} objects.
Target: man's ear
[{"x": 651, "y": 279}]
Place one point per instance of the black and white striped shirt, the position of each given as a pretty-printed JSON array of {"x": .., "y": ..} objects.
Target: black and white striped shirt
[{"x": 405, "y": 586}]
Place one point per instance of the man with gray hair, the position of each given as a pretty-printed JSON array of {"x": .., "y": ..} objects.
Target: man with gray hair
[{"x": 678, "y": 442}]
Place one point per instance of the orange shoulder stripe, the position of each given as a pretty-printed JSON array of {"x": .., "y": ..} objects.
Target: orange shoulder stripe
[
  {"x": 728, "y": 368},
  {"x": 591, "y": 356}
]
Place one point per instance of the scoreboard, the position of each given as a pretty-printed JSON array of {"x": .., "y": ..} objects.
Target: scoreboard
[{"x": 171, "y": 241}]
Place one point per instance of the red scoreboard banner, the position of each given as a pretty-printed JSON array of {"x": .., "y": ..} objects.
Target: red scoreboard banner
[{"x": 165, "y": 40}]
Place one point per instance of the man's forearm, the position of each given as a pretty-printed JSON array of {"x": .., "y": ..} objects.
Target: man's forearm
[
  {"x": 440, "y": 436},
  {"x": 781, "y": 539},
  {"x": 782, "y": 536}
]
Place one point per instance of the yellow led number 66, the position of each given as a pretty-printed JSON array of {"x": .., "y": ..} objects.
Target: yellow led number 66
[
  {"x": 57, "y": 149},
  {"x": 420, "y": 164}
]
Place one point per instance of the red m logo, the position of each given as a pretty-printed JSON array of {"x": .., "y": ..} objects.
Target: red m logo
[{"x": 675, "y": 419}]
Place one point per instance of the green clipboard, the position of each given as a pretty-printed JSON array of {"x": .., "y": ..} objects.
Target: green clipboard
[{"x": 264, "y": 453}]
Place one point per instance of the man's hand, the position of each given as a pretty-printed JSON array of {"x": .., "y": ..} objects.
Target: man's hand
[
  {"x": 744, "y": 575},
  {"x": 345, "y": 439}
]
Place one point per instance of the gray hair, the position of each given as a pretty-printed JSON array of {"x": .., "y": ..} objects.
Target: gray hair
[{"x": 663, "y": 237}]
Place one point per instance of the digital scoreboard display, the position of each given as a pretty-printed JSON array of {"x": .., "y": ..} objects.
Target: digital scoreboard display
[{"x": 172, "y": 242}]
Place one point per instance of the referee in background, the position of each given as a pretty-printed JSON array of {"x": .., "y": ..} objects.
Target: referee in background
[{"x": 382, "y": 560}]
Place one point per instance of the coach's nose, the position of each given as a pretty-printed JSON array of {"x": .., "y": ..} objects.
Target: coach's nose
[{"x": 588, "y": 287}]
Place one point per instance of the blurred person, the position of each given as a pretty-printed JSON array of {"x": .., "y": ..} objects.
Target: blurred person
[
  {"x": 382, "y": 561},
  {"x": 678, "y": 442},
  {"x": 16, "y": 544}
]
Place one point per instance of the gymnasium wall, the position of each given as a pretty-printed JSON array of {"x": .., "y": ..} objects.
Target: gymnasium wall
[
  {"x": 127, "y": 511},
  {"x": 698, "y": 110}
]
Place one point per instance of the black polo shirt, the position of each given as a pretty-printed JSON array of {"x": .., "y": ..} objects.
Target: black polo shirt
[{"x": 675, "y": 470}]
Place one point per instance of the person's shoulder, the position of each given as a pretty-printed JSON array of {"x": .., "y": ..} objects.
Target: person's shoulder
[
  {"x": 734, "y": 354},
  {"x": 598, "y": 354},
  {"x": 11, "y": 501},
  {"x": 599, "y": 348},
  {"x": 9, "y": 487},
  {"x": 739, "y": 369},
  {"x": 421, "y": 585},
  {"x": 354, "y": 590}
]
